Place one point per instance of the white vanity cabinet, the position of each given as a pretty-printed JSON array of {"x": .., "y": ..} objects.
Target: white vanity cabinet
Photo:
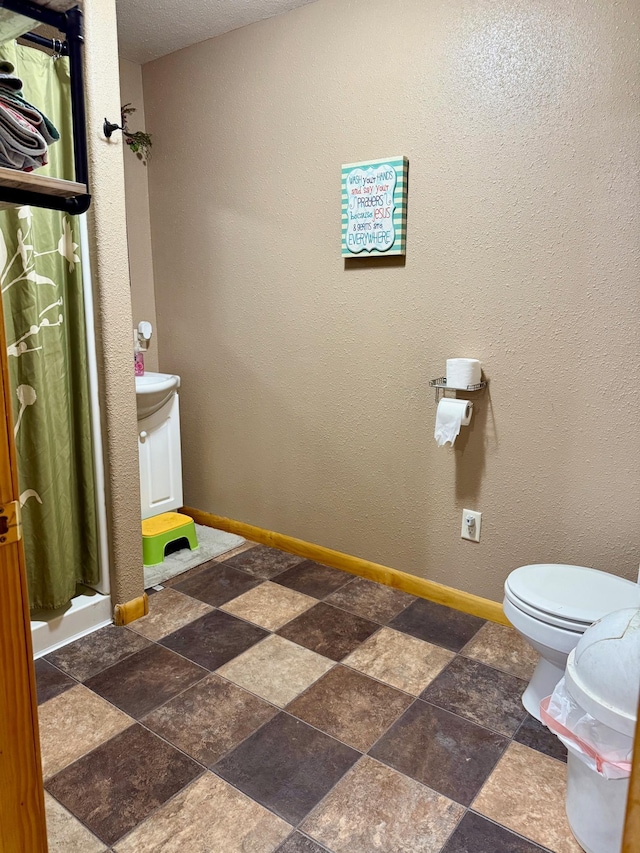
[{"x": 159, "y": 444}]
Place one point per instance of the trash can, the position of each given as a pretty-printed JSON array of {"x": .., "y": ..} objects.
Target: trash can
[{"x": 593, "y": 712}]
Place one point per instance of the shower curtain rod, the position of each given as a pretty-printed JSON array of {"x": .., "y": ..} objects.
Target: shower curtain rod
[{"x": 61, "y": 48}]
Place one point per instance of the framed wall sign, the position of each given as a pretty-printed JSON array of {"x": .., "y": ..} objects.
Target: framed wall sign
[{"x": 374, "y": 208}]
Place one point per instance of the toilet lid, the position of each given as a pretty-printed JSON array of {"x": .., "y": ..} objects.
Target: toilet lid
[
  {"x": 542, "y": 616},
  {"x": 573, "y": 593}
]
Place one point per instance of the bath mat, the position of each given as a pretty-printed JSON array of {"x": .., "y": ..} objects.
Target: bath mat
[{"x": 212, "y": 543}]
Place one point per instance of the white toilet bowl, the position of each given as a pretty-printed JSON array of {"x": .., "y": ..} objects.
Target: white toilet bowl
[
  {"x": 551, "y": 606},
  {"x": 553, "y": 644}
]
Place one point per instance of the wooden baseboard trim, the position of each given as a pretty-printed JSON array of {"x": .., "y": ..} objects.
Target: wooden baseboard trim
[
  {"x": 128, "y": 612},
  {"x": 441, "y": 594}
]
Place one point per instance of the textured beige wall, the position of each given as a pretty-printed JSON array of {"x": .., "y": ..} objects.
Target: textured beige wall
[
  {"x": 305, "y": 403},
  {"x": 143, "y": 301},
  {"x": 107, "y": 224}
]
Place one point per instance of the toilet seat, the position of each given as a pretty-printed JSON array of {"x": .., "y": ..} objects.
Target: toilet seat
[
  {"x": 569, "y": 597},
  {"x": 541, "y": 616}
]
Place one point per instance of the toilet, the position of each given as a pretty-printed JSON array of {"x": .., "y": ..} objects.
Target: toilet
[{"x": 551, "y": 605}]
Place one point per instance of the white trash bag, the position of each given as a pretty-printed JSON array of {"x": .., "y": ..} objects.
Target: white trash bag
[{"x": 601, "y": 748}]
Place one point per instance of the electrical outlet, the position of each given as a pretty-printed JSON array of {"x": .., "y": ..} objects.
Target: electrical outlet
[{"x": 471, "y": 523}]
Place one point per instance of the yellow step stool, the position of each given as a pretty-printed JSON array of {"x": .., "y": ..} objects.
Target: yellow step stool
[{"x": 162, "y": 530}]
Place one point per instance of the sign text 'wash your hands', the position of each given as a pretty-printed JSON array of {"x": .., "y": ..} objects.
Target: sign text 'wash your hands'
[{"x": 374, "y": 208}]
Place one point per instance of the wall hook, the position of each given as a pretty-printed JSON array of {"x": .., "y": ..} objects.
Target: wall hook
[
  {"x": 108, "y": 127},
  {"x": 138, "y": 140}
]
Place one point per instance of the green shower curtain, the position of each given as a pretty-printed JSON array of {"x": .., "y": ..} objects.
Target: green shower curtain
[{"x": 42, "y": 295}]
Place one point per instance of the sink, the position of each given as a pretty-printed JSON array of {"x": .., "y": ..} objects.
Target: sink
[{"x": 153, "y": 390}]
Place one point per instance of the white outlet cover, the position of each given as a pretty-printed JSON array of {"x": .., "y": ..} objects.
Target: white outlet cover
[{"x": 467, "y": 532}]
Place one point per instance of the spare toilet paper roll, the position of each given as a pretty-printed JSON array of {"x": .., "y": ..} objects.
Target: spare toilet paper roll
[
  {"x": 462, "y": 372},
  {"x": 450, "y": 416}
]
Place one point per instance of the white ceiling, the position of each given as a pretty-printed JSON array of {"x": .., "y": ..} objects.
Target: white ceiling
[{"x": 148, "y": 29}]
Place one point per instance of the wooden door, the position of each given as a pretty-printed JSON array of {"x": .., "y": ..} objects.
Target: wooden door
[{"x": 22, "y": 820}]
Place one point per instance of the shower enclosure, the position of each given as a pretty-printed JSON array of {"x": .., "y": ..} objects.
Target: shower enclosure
[
  {"x": 91, "y": 608},
  {"x": 48, "y": 306}
]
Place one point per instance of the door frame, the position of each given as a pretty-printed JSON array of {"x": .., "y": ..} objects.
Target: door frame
[
  {"x": 22, "y": 816},
  {"x": 631, "y": 840}
]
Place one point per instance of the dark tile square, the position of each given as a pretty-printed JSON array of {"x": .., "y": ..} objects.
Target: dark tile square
[
  {"x": 210, "y": 718},
  {"x": 535, "y": 734},
  {"x": 313, "y": 579},
  {"x": 115, "y": 787},
  {"x": 371, "y": 600},
  {"x": 95, "y": 652},
  {"x": 451, "y": 755},
  {"x": 328, "y": 631},
  {"x": 263, "y": 562},
  {"x": 480, "y": 693},
  {"x": 299, "y": 843},
  {"x": 350, "y": 706},
  {"x": 437, "y": 624},
  {"x": 217, "y": 584},
  {"x": 214, "y": 639},
  {"x": 50, "y": 681},
  {"x": 475, "y": 834},
  {"x": 145, "y": 680},
  {"x": 287, "y": 766}
]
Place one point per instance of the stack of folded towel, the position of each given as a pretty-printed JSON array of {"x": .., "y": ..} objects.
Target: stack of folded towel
[{"x": 25, "y": 133}]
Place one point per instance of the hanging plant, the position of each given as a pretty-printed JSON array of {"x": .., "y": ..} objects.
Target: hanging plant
[{"x": 137, "y": 140}]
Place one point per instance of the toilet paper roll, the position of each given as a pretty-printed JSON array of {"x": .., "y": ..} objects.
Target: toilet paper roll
[
  {"x": 450, "y": 416},
  {"x": 462, "y": 372}
]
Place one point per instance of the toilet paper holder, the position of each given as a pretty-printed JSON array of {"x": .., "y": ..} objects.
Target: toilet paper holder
[{"x": 441, "y": 386}]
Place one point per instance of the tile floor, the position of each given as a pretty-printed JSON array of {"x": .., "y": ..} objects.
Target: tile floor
[{"x": 268, "y": 703}]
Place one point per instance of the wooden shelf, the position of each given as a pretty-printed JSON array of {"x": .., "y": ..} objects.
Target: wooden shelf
[
  {"x": 16, "y": 180},
  {"x": 31, "y": 188},
  {"x": 13, "y": 25}
]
